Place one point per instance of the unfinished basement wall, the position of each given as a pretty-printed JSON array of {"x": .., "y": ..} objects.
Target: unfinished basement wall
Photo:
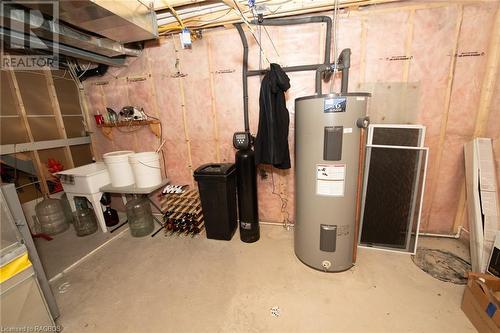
[
  {"x": 40, "y": 106},
  {"x": 428, "y": 60}
]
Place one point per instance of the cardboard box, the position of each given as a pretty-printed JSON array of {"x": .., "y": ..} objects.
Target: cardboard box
[
  {"x": 494, "y": 262},
  {"x": 481, "y": 302}
]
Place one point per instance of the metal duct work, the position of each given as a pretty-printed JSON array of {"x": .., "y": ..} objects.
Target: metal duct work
[
  {"x": 122, "y": 21},
  {"x": 21, "y": 20},
  {"x": 20, "y": 39}
]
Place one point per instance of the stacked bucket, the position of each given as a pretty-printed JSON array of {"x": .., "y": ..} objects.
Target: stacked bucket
[{"x": 127, "y": 168}]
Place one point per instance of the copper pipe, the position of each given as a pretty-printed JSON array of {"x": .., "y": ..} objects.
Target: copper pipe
[{"x": 362, "y": 139}]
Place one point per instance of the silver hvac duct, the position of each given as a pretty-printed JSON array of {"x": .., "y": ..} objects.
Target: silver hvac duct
[
  {"x": 122, "y": 21},
  {"x": 21, "y": 20},
  {"x": 37, "y": 43}
]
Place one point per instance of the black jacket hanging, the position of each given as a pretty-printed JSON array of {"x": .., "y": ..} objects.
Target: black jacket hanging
[{"x": 271, "y": 144}]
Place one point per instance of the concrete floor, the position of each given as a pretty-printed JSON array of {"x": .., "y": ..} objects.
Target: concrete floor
[
  {"x": 67, "y": 248},
  {"x": 198, "y": 285}
]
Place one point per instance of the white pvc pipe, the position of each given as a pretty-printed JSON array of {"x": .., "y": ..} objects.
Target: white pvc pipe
[{"x": 456, "y": 236}]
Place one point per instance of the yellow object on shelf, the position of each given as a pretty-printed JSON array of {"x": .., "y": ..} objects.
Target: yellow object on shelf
[{"x": 14, "y": 267}]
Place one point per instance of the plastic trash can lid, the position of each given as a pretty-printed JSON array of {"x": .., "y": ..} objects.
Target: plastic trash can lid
[{"x": 214, "y": 169}]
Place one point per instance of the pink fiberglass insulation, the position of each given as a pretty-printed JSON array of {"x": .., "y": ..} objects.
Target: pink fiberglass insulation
[{"x": 197, "y": 93}]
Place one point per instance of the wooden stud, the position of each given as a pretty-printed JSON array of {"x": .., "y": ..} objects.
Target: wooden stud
[
  {"x": 214, "y": 104},
  {"x": 185, "y": 125},
  {"x": 446, "y": 110},
  {"x": 40, "y": 167},
  {"x": 184, "y": 114},
  {"x": 186, "y": 130},
  {"x": 157, "y": 128},
  {"x": 485, "y": 105},
  {"x": 408, "y": 44},
  {"x": 213, "y": 100},
  {"x": 321, "y": 43},
  {"x": 359, "y": 190},
  {"x": 105, "y": 101},
  {"x": 85, "y": 110},
  {"x": 58, "y": 116},
  {"x": 362, "y": 62},
  {"x": 283, "y": 184},
  {"x": 458, "y": 222},
  {"x": 152, "y": 86},
  {"x": 127, "y": 102},
  {"x": 489, "y": 80}
]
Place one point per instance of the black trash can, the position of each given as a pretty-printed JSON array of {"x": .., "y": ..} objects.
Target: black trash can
[{"x": 217, "y": 186}]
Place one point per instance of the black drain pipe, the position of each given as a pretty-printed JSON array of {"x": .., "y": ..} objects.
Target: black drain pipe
[
  {"x": 245, "y": 76},
  {"x": 343, "y": 62}
]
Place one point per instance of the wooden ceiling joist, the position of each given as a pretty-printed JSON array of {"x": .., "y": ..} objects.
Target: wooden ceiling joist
[{"x": 200, "y": 16}]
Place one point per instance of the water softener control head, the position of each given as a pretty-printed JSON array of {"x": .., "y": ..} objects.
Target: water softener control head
[{"x": 242, "y": 140}]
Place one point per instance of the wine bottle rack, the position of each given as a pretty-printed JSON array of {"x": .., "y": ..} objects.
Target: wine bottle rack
[{"x": 183, "y": 213}]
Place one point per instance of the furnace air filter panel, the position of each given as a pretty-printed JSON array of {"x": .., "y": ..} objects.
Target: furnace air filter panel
[{"x": 394, "y": 181}]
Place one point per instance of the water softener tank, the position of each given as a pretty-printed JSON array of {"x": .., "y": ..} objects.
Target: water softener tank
[
  {"x": 248, "y": 210},
  {"x": 327, "y": 141}
]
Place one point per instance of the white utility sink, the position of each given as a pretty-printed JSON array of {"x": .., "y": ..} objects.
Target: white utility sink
[{"x": 85, "y": 181}]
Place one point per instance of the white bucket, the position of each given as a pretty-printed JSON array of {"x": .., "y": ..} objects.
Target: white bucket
[
  {"x": 146, "y": 167},
  {"x": 119, "y": 168}
]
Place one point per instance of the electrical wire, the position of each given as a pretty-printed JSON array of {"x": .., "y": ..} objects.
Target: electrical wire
[
  {"x": 142, "y": 3},
  {"x": 181, "y": 23},
  {"x": 86, "y": 69},
  {"x": 212, "y": 20},
  {"x": 335, "y": 44},
  {"x": 27, "y": 184},
  {"x": 276, "y": 10},
  {"x": 252, "y": 32},
  {"x": 272, "y": 42},
  {"x": 260, "y": 40},
  {"x": 161, "y": 142},
  {"x": 284, "y": 203}
]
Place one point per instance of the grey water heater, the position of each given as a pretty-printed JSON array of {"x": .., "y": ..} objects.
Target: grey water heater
[{"x": 327, "y": 139}]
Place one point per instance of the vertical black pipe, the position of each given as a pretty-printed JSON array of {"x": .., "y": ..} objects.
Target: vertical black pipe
[
  {"x": 343, "y": 64},
  {"x": 345, "y": 60},
  {"x": 244, "y": 75},
  {"x": 281, "y": 22},
  {"x": 319, "y": 80}
]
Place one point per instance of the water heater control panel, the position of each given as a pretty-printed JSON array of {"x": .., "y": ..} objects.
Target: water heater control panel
[{"x": 242, "y": 140}]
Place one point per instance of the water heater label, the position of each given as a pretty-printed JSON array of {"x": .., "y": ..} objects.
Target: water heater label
[
  {"x": 335, "y": 104},
  {"x": 330, "y": 179}
]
